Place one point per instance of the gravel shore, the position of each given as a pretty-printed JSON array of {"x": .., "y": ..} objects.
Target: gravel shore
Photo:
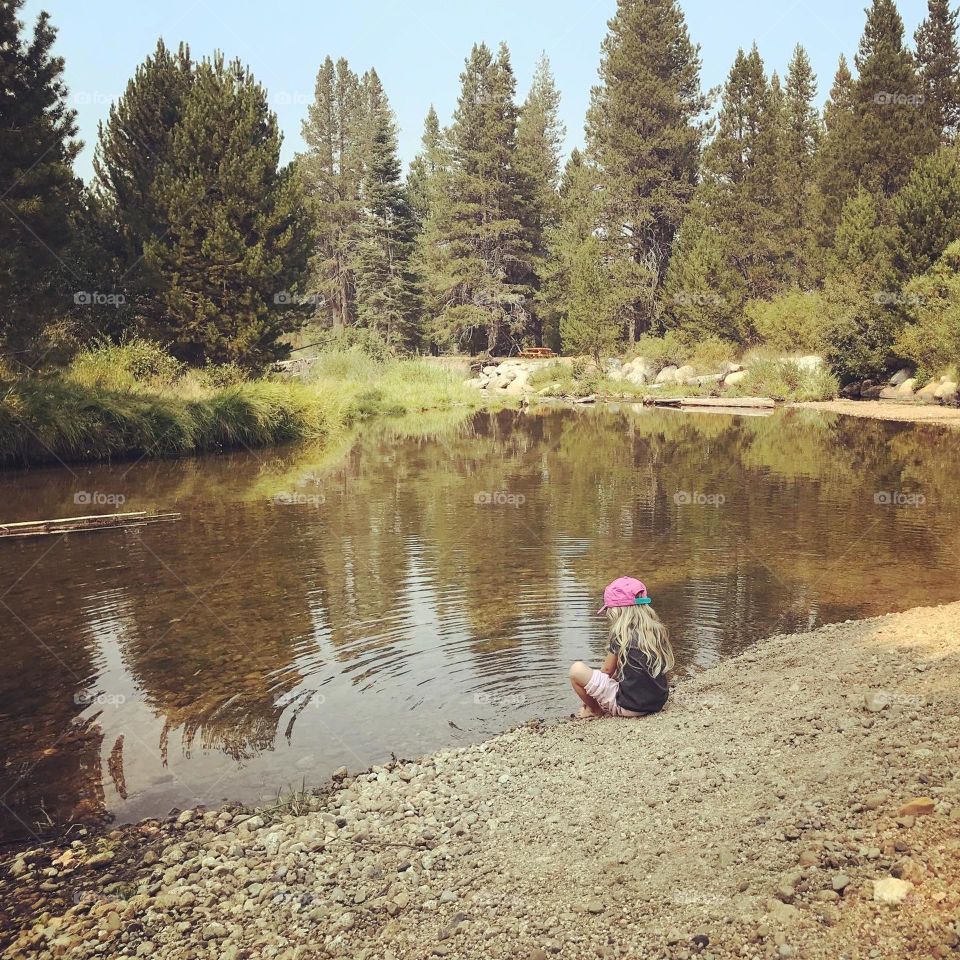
[
  {"x": 888, "y": 410},
  {"x": 800, "y": 800}
]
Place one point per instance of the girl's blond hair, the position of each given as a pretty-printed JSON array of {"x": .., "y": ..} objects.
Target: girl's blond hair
[{"x": 639, "y": 628}]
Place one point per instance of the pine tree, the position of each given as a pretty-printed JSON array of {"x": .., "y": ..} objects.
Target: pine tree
[
  {"x": 801, "y": 133},
  {"x": 704, "y": 294},
  {"x": 740, "y": 176},
  {"x": 385, "y": 286},
  {"x": 482, "y": 292},
  {"x": 421, "y": 180},
  {"x": 938, "y": 58},
  {"x": 427, "y": 187},
  {"x": 644, "y": 134},
  {"x": 539, "y": 143},
  {"x": 577, "y": 221},
  {"x": 836, "y": 176},
  {"x": 39, "y": 194},
  {"x": 891, "y": 128},
  {"x": 927, "y": 213},
  {"x": 131, "y": 148},
  {"x": 332, "y": 170},
  {"x": 234, "y": 240},
  {"x": 592, "y": 323}
]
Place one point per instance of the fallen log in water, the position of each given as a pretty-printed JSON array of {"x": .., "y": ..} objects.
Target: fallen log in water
[
  {"x": 102, "y": 521},
  {"x": 733, "y": 403}
]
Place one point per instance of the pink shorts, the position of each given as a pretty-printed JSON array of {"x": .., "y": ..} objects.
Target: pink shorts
[{"x": 604, "y": 689}]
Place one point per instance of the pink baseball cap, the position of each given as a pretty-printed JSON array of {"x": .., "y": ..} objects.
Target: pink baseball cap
[{"x": 624, "y": 592}]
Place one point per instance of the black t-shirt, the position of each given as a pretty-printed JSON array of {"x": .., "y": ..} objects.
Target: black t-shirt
[{"x": 638, "y": 691}]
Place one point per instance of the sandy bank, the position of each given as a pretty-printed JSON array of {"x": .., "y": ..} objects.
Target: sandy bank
[
  {"x": 758, "y": 816},
  {"x": 888, "y": 410}
]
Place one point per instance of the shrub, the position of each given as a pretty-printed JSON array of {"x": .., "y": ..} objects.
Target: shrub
[
  {"x": 931, "y": 339},
  {"x": 794, "y": 322},
  {"x": 669, "y": 350},
  {"x": 125, "y": 366},
  {"x": 786, "y": 380}
]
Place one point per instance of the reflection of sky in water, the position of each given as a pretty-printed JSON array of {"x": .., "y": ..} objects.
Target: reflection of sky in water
[{"x": 257, "y": 644}]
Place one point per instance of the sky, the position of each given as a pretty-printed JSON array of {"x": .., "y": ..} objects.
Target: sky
[{"x": 418, "y": 46}]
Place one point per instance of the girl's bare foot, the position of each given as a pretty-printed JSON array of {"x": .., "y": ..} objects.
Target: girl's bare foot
[{"x": 586, "y": 713}]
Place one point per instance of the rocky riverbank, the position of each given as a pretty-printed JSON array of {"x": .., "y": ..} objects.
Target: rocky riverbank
[
  {"x": 889, "y": 410},
  {"x": 801, "y": 800}
]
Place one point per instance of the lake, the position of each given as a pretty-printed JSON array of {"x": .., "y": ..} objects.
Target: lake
[{"x": 412, "y": 589}]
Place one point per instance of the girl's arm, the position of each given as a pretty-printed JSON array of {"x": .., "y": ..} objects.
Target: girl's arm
[{"x": 610, "y": 665}]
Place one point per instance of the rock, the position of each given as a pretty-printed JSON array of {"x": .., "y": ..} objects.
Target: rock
[
  {"x": 929, "y": 390},
  {"x": 809, "y": 364},
  {"x": 782, "y": 913},
  {"x": 667, "y": 375},
  {"x": 877, "y": 700},
  {"x": 889, "y": 393},
  {"x": 685, "y": 373},
  {"x": 146, "y": 949},
  {"x": 537, "y": 954},
  {"x": 907, "y": 387},
  {"x": 851, "y": 391},
  {"x": 214, "y": 931},
  {"x": 891, "y": 890},
  {"x": 947, "y": 392},
  {"x": 901, "y": 377},
  {"x": 448, "y": 896},
  {"x": 704, "y": 380},
  {"x": 918, "y": 807},
  {"x": 875, "y": 801},
  {"x": 872, "y": 392},
  {"x": 732, "y": 379},
  {"x": 594, "y": 905},
  {"x": 476, "y": 383},
  {"x": 730, "y": 367},
  {"x": 839, "y": 882}
]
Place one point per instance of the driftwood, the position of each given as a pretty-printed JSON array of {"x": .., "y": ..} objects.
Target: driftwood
[
  {"x": 733, "y": 403},
  {"x": 104, "y": 521}
]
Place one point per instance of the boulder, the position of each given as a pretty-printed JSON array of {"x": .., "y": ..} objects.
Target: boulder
[
  {"x": 901, "y": 376},
  {"x": 870, "y": 390},
  {"x": 732, "y": 379},
  {"x": 638, "y": 371},
  {"x": 667, "y": 375},
  {"x": 891, "y": 890},
  {"x": 947, "y": 392},
  {"x": 704, "y": 380},
  {"x": 730, "y": 367},
  {"x": 809, "y": 364},
  {"x": 889, "y": 393},
  {"x": 519, "y": 384},
  {"x": 907, "y": 387},
  {"x": 851, "y": 391},
  {"x": 477, "y": 383},
  {"x": 685, "y": 373}
]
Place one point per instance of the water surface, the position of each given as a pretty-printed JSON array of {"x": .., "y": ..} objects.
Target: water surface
[{"x": 317, "y": 609}]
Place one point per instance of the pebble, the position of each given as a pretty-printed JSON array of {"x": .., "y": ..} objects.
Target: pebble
[
  {"x": 891, "y": 890},
  {"x": 918, "y": 807}
]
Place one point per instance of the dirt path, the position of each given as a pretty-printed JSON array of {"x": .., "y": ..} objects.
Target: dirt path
[
  {"x": 760, "y": 815},
  {"x": 888, "y": 410}
]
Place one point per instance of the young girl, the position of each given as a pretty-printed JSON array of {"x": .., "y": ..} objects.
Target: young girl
[{"x": 633, "y": 679}]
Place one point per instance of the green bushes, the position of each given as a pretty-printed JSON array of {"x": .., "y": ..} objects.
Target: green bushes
[
  {"x": 126, "y": 402},
  {"x": 787, "y": 380},
  {"x": 796, "y": 321}
]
